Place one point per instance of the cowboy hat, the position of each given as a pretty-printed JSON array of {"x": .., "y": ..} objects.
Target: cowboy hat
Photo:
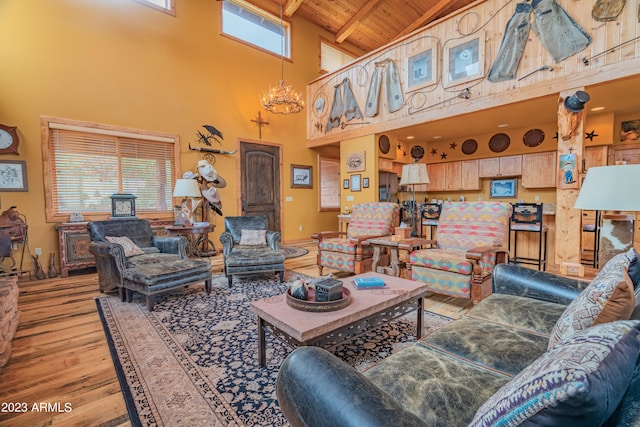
[
  {"x": 209, "y": 173},
  {"x": 211, "y": 194}
]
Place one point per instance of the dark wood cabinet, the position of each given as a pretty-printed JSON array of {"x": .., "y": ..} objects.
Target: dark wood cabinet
[{"x": 74, "y": 240}]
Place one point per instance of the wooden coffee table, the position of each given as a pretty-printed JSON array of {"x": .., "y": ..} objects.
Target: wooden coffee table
[{"x": 368, "y": 309}]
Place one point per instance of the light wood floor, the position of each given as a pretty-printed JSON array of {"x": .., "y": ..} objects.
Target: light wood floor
[{"x": 60, "y": 355}]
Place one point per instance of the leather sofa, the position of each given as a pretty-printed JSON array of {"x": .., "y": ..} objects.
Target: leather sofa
[
  {"x": 161, "y": 266},
  {"x": 453, "y": 376}
]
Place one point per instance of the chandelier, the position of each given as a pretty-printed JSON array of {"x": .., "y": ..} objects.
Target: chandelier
[{"x": 282, "y": 98}]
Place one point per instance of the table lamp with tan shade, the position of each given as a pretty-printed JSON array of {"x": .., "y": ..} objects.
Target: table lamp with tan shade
[
  {"x": 190, "y": 191},
  {"x": 414, "y": 174},
  {"x": 612, "y": 188}
]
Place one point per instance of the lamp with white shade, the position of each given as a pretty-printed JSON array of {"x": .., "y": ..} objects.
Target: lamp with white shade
[
  {"x": 414, "y": 174},
  {"x": 190, "y": 191},
  {"x": 612, "y": 188}
]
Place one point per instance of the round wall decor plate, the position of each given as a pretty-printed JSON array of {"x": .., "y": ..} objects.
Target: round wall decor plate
[
  {"x": 533, "y": 137},
  {"x": 469, "y": 146},
  {"x": 384, "y": 144},
  {"x": 499, "y": 142},
  {"x": 417, "y": 152}
]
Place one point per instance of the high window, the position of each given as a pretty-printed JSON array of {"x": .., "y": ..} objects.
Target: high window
[
  {"x": 86, "y": 163},
  {"x": 329, "y": 184},
  {"x": 167, "y": 6},
  {"x": 332, "y": 58},
  {"x": 249, "y": 24}
]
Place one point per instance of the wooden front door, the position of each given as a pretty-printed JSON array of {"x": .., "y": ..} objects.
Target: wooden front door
[{"x": 260, "y": 182}]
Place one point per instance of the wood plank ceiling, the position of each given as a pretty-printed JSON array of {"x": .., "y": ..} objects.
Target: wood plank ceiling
[{"x": 369, "y": 24}]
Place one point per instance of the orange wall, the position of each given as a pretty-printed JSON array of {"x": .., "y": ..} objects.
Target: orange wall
[{"x": 120, "y": 63}]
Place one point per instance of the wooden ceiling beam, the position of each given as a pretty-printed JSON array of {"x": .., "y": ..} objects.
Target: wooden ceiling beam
[
  {"x": 353, "y": 23},
  {"x": 427, "y": 17},
  {"x": 290, "y": 7}
]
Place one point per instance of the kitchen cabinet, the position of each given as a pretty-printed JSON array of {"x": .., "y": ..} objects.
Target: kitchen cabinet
[
  {"x": 539, "y": 170},
  {"x": 594, "y": 156},
  {"x": 496, "y": 167},
  {"x": 453, "y": 176}
]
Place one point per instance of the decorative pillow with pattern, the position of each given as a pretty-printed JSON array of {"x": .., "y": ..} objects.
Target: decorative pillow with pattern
[
  {"x": 253, "y": 237},
  {"x": 580, "y": 382},
  {"x": 608, "y": 298},
  {"x": 130, "y": 248}
]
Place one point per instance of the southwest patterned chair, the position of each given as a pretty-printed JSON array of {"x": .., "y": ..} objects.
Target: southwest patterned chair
[
  {"x": 470, "y": 240},
  {"x": 344, "y": 250}
]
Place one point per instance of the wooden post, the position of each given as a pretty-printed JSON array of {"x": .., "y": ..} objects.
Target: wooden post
[{"x": 568, "y": 219}]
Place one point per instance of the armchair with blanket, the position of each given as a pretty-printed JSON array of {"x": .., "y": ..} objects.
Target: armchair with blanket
[
  {"x": 470, "y": 240},
  {"x": 345, "y": 251}
]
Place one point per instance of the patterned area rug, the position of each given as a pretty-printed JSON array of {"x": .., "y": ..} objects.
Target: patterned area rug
[
  {"x": 292, "y": 251},
  {"x": 193, "y": 360}
]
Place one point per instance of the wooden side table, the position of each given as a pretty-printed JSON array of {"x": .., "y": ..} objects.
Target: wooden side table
[
  {"x": 343, "y": 222},
  {"x": 197, "y": 246},
  {"x": 393, "y": 246}
]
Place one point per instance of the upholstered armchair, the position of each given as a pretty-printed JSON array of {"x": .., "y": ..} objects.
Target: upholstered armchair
[
  {"x": 248, "y": 247},
  {"x": 470, "y": 240},
  {"x": 345, "y": 250},
  {"x": 131, "y": 258}
]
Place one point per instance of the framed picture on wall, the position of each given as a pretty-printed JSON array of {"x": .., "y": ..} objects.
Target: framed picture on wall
[
  {"x": 568, "y": 171},
  {"x": 356, "y": 162},
  {"x": 13, "y": 175},
  {"x": 421, "y": 69},
  {"x": 503, "y": 188},
  {"x": 464, "y": 61},
  {"x": 345, "y": 184},
  {"x": 365, "y": 182},
  {"x": 301, "y": 176},
  {"x": 356, "y": 182}
]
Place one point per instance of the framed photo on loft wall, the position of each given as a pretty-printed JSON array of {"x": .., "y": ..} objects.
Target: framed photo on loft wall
[
  {"x": 421, "y": 69},
  {"x": 503, "y": 188},
  {"x": 464, "y": 61},
  {"x": 356, "y": 182},
  {"x": 301, "y": 176},
  {"x": 13, "y": 175}
]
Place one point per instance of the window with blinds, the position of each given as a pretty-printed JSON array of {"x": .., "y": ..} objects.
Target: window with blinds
[
  {"x": 166, "y": 6},
  {"x": 332, "y": 58},
  {"x": 84, "y": 166},
  {"x": 329, "y": 184}
]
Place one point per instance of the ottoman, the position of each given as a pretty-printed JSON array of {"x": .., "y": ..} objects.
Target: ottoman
[{"x": 151, "y": 279}]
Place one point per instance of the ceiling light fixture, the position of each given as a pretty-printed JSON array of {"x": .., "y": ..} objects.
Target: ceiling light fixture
[
  {"x": 282, "y": 98},
  {"x": 503, "y": 125},
  {"x": 597, "y": 109}
]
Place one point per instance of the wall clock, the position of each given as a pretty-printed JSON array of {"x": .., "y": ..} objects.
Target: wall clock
[
  {"x": 384, "y": 144},
  {"x": 8, "y": 139},
  {"x": 123, "y": 206}
]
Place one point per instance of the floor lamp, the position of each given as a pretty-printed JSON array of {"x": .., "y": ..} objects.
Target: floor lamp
[
  {"x": 612, "y": 188},
  {"x": 414, "y": 174}
]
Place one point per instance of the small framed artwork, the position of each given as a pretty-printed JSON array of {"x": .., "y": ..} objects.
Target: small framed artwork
[
  {"x": 503, "y": 188},
  {"x": 356, "y": 182},
  {"x": 630, "y": 130},
  {"x": 365, "y": 182},
  {"x": 345, "y": 184},
  {"x": 13, "y": 175},
  {"x": 355, "y": 162},
  {"x": 568, "y": 171},
  {"x": 421, "y": 69},
  {"x": 464, "y": 62},
  {"x": 301, "y": 176}
]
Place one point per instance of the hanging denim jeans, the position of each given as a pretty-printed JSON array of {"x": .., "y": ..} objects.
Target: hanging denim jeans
[
  {"x": 395, "y": 98},
  {"x": 559, "y": 34},
  {"x": 344, "y": 102}
]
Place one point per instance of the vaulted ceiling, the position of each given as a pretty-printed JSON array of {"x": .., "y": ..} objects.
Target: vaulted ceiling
[{"x": 369, "y": 24}]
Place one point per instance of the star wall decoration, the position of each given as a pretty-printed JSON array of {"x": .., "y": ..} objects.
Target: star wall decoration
[
  {"x": 434, "y": 151},
  {"x": 443, "y": 156},
  {"x": 590, "y": 135},
  {"x": 453, "y": 145}
]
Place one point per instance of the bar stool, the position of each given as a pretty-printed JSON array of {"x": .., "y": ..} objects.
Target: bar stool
[
  {"x": 595, "y": 229},
  {"x": 527, "y": 217},
  {"x": 429, "y": 215}
]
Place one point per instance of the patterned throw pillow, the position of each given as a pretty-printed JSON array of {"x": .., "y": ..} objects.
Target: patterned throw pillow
[
  {"x": 580, "y": 382},
  {"x": 608, "y": 298},
  {"x": 130, "y": 248},
  {"x": 253, "y": 237}
]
